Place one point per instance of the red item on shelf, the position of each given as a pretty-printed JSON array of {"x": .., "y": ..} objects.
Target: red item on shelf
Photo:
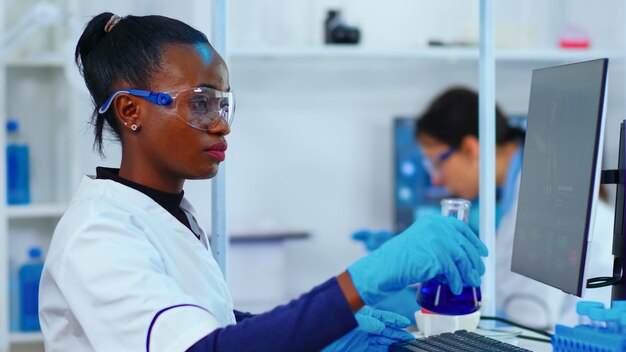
[{"x": 574, "y": 44}]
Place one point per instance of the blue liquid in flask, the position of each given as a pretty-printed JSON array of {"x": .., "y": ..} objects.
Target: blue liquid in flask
[{"x": 435, "y": 296}]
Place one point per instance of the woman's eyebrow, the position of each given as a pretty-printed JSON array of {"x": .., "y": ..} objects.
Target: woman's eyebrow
[{"x": 207, "y": 85}]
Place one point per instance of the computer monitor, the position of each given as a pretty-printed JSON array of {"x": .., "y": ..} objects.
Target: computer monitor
[
  {"x": 561, "y": 173},
  {"x": 414, "y": 194}
]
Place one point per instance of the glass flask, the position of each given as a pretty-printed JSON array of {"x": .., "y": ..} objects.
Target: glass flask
[{"x": 435, "y": 295}]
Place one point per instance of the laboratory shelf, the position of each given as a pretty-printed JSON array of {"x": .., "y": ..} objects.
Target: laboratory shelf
[
  {"x": 50, "y": 60},
  {"x": 25, "y": 337},
  {"x": 555, "y": 55},
  {"x": 50, "y": 210},
  {"x": 450, "y": 54}
]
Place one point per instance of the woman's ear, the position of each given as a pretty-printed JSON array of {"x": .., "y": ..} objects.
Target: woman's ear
[
  {"x": 127, "y": 109},
  {"x": 470, "y": 147}
]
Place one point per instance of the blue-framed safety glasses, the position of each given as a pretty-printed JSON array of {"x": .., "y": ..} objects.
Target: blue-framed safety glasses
[
  {"x": 201, "y": 108},
  {"x": 433, "y": 166}
]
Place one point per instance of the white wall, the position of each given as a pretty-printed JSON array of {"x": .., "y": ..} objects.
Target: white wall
[{"x": 310, "y": 147}]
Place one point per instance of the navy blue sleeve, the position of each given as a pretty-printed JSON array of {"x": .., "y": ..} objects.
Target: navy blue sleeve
[
  {"x": 239, "y": 316},
  {"x": 308, "y": 323}
]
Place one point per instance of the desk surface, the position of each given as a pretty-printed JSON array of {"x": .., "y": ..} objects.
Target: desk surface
[
  {"x": 535, "y": 346},
  {"x": 532, "y": 345}
]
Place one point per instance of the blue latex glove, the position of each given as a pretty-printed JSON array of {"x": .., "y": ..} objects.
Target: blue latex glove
[
  {"x": 372, "y": 239},
  {"x": 376, "y": 331},
  {"x": 383, "y": 323},
  {"x": 433, "y": 245},
  {"x": 403, "y": 302}
]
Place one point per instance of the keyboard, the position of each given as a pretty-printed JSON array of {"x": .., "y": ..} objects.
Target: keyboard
[{"x": 460, "y": 340}]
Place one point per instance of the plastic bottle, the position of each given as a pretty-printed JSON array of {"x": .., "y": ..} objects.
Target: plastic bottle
[
  {"x": 435, "y": 295},
  {"x": 14, "y": 297},
  {"x": 18, "y": 174},
  {"x": 30, "y": 273}
]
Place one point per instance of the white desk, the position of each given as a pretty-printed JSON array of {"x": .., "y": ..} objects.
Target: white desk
[
  {"x": 535, "y": 346},
  {"x": 530, "y": 344}
]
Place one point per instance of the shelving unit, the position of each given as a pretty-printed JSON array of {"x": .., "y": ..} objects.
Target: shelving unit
[
  {"x": 26, "y": 338},
  {"x": 34, "y": 90},
  {"x": 40, "y": 61},
  {"x": 36, "y": 211},
  {"x": 446, "y": 54}
]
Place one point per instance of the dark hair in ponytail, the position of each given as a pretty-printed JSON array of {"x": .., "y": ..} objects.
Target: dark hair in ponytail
[
  {"x": 130, "y": 51},
  {"x": 454, "y": 115}
]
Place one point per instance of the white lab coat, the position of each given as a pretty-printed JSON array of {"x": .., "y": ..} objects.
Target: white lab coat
[
  {"x": 123, "y": 274},
  {"x": 536, "y": 304}
]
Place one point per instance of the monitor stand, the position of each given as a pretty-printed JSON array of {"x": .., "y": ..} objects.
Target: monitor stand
[{"x": 616, "y": 177}]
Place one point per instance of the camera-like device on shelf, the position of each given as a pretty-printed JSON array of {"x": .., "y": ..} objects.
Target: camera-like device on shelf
[{"x": 337, "y": 32}]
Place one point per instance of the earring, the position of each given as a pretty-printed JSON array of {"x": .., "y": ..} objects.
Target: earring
[
  {"x": 125, "y": 123},
  {"x": 133, "y": 127}
]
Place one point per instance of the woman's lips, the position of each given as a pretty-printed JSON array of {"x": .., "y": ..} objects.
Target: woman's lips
[{"x": 217, "y": 151}]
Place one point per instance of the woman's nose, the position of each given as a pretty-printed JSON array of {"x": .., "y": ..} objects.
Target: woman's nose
[
  {"x": 436, "y": 180},
  {"x": 221, "y": 128}
]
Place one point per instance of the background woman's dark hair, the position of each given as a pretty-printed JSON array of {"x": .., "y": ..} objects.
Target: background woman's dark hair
[
  {"x": 454, "y": 115},
  {"x": 129, "y": 52}
]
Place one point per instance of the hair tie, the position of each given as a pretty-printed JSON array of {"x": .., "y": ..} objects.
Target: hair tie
[{"x": 111, "y": 23}]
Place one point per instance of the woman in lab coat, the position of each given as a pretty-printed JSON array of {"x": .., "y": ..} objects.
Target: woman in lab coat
[
  {"x": 129, "y": 268},
  {"x": 447, "y": 133}
]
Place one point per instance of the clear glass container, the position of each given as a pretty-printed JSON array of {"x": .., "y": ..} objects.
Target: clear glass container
[
  {"x": 435, "y": 295},
  {"x": 456, "y": 208}
]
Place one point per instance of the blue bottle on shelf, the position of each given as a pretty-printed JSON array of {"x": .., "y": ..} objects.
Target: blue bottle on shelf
[
  {"x": 435, "y": 295},
  {"x": 18, "y": 173},
  {"x": 14, "y": 297},
  {"x": 30, "y": 273}
]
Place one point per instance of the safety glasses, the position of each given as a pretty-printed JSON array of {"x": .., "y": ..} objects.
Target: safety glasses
[
  {"x": 433, "y": 167},
  {"x": 201, "y": 108}
]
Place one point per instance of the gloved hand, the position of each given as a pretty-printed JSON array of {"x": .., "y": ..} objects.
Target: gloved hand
[
  {"x": 433, "y": 245},
  {"x": 403, "y": 302},
  {"x": 376, "y": 331},
  {"x": 372, "y": 239}
]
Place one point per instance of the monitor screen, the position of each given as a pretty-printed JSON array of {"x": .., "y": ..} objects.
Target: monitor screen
[
  {"x": 414, "y": 194},
  {"x": 560, "y": 174}
]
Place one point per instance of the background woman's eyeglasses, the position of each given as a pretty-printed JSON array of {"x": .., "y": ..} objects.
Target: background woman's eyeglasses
[{"x": 433, "y": 166}]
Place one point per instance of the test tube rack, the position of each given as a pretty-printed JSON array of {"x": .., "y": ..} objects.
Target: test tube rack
[{"x": 586, "y": 339}]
